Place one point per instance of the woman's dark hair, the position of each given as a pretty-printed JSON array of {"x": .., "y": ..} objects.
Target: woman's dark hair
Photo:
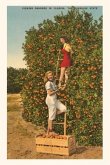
[{"x": 65, "y": 38}]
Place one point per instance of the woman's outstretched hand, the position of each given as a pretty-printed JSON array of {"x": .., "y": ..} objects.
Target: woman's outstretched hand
[{"x": 59, "y": 88}]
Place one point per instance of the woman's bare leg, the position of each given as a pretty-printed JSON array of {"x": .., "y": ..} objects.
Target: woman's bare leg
[
  {"x": 66, "y": 77},
  {"x": 49, "y": 126},
  {"x": 62, "y": 73},
  {"x": 67, "y": 71}
]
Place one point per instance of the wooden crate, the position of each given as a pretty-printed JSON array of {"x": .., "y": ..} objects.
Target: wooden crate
[{"x": 63, "y": 146}]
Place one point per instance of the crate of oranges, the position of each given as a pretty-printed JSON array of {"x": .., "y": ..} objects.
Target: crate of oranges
[{"x": 55, "y": 144}]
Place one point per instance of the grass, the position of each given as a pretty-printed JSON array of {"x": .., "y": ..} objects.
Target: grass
[{"x": 13, "y": 102}]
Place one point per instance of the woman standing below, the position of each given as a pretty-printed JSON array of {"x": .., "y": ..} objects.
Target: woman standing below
[
  {"x": 54, "y": 105},
  {"x": 66, "y": 62}
]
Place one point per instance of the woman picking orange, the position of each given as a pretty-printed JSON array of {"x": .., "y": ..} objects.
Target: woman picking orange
[
  {"x": 66, "y": 62},
  {"x": 54, "y": 105}
]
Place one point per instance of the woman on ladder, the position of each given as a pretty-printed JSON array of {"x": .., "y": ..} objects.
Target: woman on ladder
[
  {"x": 66, "y": 62},
  {"x": 54, "y": 105}
]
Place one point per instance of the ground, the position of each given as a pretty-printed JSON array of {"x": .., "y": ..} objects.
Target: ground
[{"x": 21, "y": 137}]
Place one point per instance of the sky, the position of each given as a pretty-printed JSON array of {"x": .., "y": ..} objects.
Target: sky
[{"x": 22, "y": 18}]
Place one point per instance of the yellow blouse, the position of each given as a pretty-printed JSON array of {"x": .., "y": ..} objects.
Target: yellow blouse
[{"x": 67, "y": 47}]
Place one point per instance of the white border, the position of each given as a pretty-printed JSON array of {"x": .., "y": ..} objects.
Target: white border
[{"x": 3, "y": 77}]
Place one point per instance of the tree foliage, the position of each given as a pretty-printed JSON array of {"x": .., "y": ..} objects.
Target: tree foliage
[
  {"x": 15, "y": 79},
  {"x": 83, "y": 94}
]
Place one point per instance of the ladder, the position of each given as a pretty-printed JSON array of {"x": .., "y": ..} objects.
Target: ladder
[{"x": 62, "y": 123}]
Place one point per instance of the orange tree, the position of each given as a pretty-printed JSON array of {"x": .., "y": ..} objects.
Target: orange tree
[
  {"x": 15, "y": 79},
  {"x": 83, "y": 94}
]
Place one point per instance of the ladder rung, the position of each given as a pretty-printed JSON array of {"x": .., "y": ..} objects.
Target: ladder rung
[{"x": 58, "y": 123}]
